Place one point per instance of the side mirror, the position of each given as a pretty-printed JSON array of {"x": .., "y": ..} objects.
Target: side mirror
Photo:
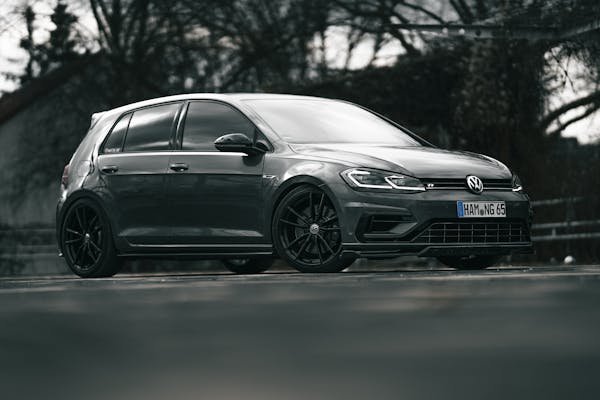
[{"x": 239, "y": 143}]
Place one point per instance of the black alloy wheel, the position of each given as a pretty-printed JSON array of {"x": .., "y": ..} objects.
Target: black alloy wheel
[
  {"x": 248, "y": 265},
  {"x": 307, "y": 232},
  {"x": 87, "y": 243},
  {"x": 469, "y": 262}
]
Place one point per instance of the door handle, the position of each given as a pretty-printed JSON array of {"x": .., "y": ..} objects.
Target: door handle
[
  {"x": 179, "y": 167},
  {"x": 109, "y": 169}
]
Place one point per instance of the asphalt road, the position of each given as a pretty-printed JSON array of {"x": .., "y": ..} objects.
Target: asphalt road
[{"x": 513, "y": 332}]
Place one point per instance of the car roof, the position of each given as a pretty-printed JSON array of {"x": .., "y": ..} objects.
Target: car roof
[{"x": 227, "y": 97}]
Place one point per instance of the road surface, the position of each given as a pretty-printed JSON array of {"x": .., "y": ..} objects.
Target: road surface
[{"x": 401, "y": 333}]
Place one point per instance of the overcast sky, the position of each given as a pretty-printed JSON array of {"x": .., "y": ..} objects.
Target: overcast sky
[{"x": 12, "y": 58}]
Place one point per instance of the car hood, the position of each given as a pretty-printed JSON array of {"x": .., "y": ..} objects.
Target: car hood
[{"x": 421, "y": 162}]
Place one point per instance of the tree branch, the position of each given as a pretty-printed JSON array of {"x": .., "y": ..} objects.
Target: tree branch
[
  {"x": 100, "y": 18},
  {"x": 462, "y": 10},
  {"x": 561, "y": 127},
  {"x": 593, "y": 98},
  {"x": 424, "y": 11}
]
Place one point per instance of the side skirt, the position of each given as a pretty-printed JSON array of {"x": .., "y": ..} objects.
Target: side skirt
[{"x": 198, "y": 251}]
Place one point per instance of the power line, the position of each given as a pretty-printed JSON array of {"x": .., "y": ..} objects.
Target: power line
[{"x": 489, "y": 31}]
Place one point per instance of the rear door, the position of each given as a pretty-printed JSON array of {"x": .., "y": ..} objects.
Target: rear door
[
  {"x": 215, "y": 197},
  {"x": 133, "y": 163}
]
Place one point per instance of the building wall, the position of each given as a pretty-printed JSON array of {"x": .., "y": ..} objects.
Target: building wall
[{"x": 36, "y": 143}]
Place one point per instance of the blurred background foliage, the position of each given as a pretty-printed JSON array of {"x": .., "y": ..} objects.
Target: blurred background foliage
[{"x": 510, "y": 97}]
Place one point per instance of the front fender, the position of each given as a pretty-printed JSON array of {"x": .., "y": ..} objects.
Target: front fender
[{"x": 324, "y": 175}]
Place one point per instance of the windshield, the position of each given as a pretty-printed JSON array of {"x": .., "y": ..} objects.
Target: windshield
[{"x": 327, "y": 121}]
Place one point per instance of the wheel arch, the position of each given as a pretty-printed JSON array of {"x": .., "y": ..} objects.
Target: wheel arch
[
  {"x": 293, "y": 183},
  {"x": 82, "y": 194}
]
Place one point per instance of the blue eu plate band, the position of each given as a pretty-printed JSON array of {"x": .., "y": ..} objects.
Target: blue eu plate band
[{"x": 459, "y": 208}]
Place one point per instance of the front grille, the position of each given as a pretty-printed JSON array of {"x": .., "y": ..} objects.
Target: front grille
[
  {"x": 488, "y": 184},
  {"x": 474, "y": 232}
]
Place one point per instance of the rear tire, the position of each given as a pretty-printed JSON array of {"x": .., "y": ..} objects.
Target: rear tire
[
  {"x": 248, "y": 265},
  {"x": 86, "y": 241},
  {"x": 307, "y": 233},
  {"x": 470, "y": 262}
]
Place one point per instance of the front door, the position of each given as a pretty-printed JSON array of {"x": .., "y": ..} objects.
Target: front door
[{"x": 215, "y": 197}]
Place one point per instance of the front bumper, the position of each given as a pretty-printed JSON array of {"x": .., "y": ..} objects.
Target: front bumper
[
  {"x": 417, "y": 213},
  {"x": 393, "y": 250}
]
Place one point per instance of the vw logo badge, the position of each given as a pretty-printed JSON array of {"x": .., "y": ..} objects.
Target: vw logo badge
[{"x": 475, "y": 184}]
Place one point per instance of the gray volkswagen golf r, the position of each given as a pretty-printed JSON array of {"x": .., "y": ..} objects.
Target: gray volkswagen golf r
[{"x": 247, "y": 178}]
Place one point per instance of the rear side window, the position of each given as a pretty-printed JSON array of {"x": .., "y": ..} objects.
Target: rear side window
[
  {"x": 206, "y": 121},
  {"x": 150, "y": 128},
  {"x": 114, "y": 142}
]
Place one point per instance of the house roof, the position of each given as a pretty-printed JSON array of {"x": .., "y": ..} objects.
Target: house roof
[{"x": 13, "y": 103}]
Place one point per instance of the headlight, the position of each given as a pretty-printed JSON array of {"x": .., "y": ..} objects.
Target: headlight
[
  {"x": 517, "y": 186},
  {"x": 361, "y": 178}
]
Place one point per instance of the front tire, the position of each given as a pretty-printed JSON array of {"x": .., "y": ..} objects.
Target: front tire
[
  {"x": 470, "y": 262},
  {"x": 307, "y": 233},
  {"x": 248, "y": 265},
  {"x": 86, "y": 241}
]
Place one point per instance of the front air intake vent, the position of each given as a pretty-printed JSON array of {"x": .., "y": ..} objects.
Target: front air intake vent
[
  {"x": 474, "y": 232},
  {"x": 385, "y": 223}
]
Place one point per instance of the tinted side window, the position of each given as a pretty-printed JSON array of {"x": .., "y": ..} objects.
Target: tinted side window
[
  {"x": 150, "y": 128},
  {"x": 206, "y": 121},
  {"x": 114, "y": 142}
]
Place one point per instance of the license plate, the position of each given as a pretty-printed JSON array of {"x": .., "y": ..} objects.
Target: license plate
[{"x": 481, "y": 209}]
